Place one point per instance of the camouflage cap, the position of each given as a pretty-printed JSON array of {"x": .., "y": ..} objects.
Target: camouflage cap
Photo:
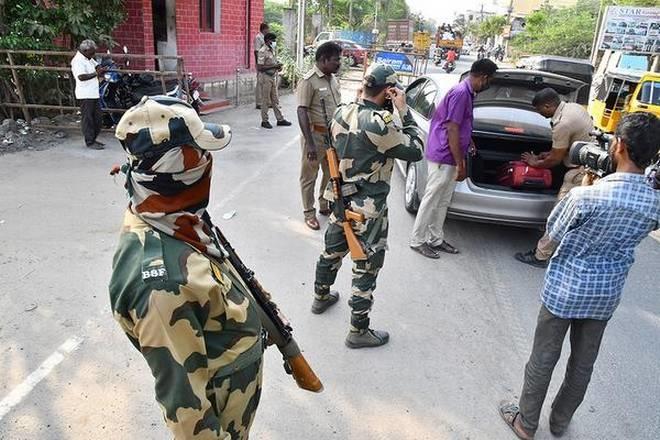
[
  {"x": 160, "y": 123},
  {"x": 379, "y": 75}
]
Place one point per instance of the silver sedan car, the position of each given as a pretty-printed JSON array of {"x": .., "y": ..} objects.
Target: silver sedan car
[{"x": 505, "y": 125}]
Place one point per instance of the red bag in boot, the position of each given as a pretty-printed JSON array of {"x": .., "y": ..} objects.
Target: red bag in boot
[{"x": 518, "y": 174}]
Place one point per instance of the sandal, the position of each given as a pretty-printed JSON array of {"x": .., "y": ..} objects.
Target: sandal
[
  {"x": 313, "y": 223},
  {"x": 509, "y": 412},
  {"x": 445, "y": 247}
]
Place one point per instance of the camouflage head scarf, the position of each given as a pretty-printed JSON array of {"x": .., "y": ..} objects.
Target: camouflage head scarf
[{"x": 168, "y": 172}]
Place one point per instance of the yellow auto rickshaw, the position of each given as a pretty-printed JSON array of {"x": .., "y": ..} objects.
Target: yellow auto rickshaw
[{"x": 624, "y": 91}]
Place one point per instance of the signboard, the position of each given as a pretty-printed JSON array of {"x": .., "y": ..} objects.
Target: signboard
[
  {"x": 629, "y": 29},
  {"x": 399, "y": 61}
]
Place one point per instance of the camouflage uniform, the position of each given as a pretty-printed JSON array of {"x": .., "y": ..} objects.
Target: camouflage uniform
[
  {"x": 367, "y": 142},
  {"x": 180, "y": 303}
]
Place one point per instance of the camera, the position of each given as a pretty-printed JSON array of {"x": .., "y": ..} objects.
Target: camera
[{"x": 594, "y": 156}]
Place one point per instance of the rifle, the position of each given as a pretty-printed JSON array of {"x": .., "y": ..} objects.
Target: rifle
[
  {"x": 276, "y": 324},
  {"x": 343, "y": 214}
]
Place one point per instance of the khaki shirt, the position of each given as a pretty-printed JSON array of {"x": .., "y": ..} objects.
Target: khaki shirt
[
  {"x": 570, "y": 123},
  {"x": 314, "y": 86},
  {"x": 266, "y": 55},
  {"x": 259, "y": 41}
]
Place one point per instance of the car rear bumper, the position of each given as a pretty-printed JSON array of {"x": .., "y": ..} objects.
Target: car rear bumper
[{"x": 472, "y": 202}]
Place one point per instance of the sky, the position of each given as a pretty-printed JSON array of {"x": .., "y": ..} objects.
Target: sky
[{"x": 444, "y": 10}]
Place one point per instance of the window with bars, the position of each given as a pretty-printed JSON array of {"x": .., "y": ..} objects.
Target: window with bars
[{"x": 207, "y": 15}]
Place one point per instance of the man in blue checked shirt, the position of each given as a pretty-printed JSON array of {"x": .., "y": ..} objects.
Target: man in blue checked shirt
[{"x": 597, "y": 229}]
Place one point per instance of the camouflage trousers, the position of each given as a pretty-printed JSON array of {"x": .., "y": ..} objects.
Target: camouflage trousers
[{"x": 373, "y": 234}]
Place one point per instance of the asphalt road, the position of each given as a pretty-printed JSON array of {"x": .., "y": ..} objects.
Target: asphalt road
[{"x": 461, "y": 327}]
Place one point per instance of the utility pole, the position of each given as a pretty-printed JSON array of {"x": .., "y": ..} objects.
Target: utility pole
[
  {"x": 594, "y": 43},
  {"x": 330, "y": 13},
  {"x": 350, "y": 14},
  {"x": 376, "y": 15},
  {"x": 300, "y": 43}
]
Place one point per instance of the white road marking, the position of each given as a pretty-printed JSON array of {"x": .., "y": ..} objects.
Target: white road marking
[
  {"x": 21, "y": 391},
  {"x": 239, "y": 188}
]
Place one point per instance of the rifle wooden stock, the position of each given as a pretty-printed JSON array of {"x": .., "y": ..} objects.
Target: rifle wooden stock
[
  {"x": 304, "y": 375},
  {"x": 354, "y": 245},
  {"x": 333, "y": 162},
  {"x": 276, "y": 324}
]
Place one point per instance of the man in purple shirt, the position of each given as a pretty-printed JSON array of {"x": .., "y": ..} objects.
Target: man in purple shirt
[{"x": 450, "y": 138}]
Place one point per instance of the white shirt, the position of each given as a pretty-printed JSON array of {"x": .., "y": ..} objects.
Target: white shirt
[{"x": 80, "y": 65}]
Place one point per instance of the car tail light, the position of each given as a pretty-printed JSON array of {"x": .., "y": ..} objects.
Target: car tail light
[{"x": 515, "y": 130}]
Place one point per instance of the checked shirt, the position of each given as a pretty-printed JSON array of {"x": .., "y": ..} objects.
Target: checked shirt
[{"x": 598, "y": 228}]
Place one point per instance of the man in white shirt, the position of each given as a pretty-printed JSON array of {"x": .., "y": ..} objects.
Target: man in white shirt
[{"x": 86, "y": 72}]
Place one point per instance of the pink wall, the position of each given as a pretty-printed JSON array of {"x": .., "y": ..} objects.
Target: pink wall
[{"x": 206, "y": 54}]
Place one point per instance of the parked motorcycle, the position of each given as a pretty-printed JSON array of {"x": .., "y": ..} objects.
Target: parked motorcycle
[{"x": 119, "y": 90}]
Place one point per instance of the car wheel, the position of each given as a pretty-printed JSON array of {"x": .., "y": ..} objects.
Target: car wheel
[{"x": 411, "y": 195}]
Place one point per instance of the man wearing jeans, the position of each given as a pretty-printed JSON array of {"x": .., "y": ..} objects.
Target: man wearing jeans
[
  {"x": 597, "y": 229},
  {"x": 449, "y": 140}
]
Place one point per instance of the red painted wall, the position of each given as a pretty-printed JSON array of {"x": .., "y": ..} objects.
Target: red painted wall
[{"x": 206, "y": 54}]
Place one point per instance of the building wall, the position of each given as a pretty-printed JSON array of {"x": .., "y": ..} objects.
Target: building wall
[
  {"x": 217, "y": 54},
  {"x": 526, "y": 7},
  {"x": 136, "y": 32},
  {"x": 208, "y": 55}
]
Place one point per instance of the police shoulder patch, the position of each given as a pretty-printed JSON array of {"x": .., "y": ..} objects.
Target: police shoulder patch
[{"x": 309, "y": 74}]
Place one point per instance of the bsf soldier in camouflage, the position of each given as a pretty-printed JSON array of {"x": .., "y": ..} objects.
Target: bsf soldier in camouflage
[
  {"x": 367, "y": 142},
  {"x": 180, "y": 303}
]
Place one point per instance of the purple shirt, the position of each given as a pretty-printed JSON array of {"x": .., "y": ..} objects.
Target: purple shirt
[{"x": 456, "y": 106}]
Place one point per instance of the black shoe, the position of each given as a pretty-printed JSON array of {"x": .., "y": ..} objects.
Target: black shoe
[
  {"x": 427, "y": 251},
  {"x": 529, "y": 257},
  {"x": 95, "y": 146},
  {"x": 266, "y": 125},
  {"x": 258, "y": 107},
  {"x": 367, "y": 338},
  {"x": 319, "y": 306},
  {"x": 283, "y": 123},
  {"x": 99, "y": 143}
]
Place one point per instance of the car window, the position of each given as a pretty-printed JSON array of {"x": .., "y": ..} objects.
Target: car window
[
  {"x": 415, "y": 87},
  {"x": 650, "y": 93},
  {"x": 425, "y": 102}
]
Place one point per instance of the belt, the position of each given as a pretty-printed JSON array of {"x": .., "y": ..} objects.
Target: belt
[{"x": 320, "y": 128}]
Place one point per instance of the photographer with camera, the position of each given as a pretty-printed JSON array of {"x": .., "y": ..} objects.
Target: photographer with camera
[
  {"x": 596, "y": 229},
  {"x": 570, "y": 123}
]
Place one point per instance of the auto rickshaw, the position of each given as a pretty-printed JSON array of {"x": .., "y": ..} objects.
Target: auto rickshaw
[{"x": 624, "y": 91}]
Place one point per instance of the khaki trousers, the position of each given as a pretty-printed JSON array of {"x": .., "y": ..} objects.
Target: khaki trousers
[
  {"x": 309, "y": 171},
  {"x": 545, "y": 246},
  {"x": 269, "y": 97},
  {"x": 430, "y": 220},
  {"x": 257, "y": 90}
]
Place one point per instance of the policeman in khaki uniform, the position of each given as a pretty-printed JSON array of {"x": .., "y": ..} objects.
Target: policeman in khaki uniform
[
  {"x": 570, "y": 123},
  {"x": 367, "y": 142},
  {"x": 318, "y": 87},
  {"x": 179, "y": 301},
  {"x": 268, "y": 66},
  {"x": 258, "y": 44}
]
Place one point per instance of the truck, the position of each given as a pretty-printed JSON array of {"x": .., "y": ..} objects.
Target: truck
[
  {"x": 364, "y": 39},
  {"x": 399, "y": 31},
  {"x": 445, "y": 40}
]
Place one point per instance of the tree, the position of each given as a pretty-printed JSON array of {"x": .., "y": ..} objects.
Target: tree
[
  {"x": 35, "y": 25},
  {"x": 491, "y": 27}
]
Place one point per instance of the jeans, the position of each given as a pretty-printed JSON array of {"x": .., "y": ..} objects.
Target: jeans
[{"x": 586, "y": 336}]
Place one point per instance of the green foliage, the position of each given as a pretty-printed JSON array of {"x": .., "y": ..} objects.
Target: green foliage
[
  {"x": 34, "y": 25},
  {"x": 491, "y": 27},
  {"x": 565, "y": 31}
]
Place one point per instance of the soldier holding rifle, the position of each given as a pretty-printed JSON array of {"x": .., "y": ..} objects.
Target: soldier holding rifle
[
  {"x": 367, "y": 141},
  {"x": 179, "y": 290}
]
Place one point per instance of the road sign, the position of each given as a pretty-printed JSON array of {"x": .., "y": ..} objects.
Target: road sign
[{"x": 399, "y": 61}]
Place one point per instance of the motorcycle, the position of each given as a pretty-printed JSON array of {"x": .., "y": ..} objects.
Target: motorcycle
[
  {"x": 119, "y": 90},
  {"x": 449, "y": 66},
  {"x": 481, "y": 54}
]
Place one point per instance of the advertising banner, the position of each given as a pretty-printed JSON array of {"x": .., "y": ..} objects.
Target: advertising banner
[
  {"x": 399, "y": 61},
  {"x": 630, "y": 29}
]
